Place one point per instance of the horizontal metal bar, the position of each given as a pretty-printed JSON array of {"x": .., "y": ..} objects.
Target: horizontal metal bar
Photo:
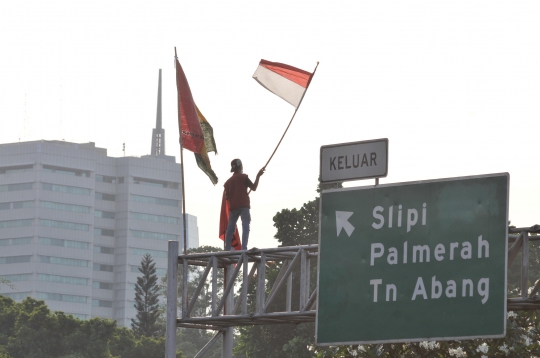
[
  {"x": 239, "y": 253},
  {"x": 201, "y": 326},
  {"x": 531, "y": 229}
]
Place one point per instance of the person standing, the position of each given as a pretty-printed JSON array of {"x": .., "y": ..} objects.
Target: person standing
[{"x": 237, "y": 195}]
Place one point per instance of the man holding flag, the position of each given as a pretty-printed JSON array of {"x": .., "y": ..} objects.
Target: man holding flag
[{"x": 238, "y": 199}]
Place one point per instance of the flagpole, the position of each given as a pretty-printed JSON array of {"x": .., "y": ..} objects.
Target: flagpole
[
  {"x": 294, "y": 114},
  {"x": 182, "y": 163}
]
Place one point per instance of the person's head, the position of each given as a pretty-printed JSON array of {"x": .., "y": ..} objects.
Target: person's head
[{"x": 236, "y": 166}]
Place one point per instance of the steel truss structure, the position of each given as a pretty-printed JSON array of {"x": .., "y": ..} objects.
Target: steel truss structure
[{"x": 240, "y": 268}]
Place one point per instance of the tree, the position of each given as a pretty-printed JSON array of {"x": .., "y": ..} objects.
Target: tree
[{"x": 146, "y": 300}]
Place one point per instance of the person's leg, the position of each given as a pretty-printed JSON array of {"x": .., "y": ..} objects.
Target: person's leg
[
  {"x": 246, "y": 219},
  {"x": 233, "y": 218}
]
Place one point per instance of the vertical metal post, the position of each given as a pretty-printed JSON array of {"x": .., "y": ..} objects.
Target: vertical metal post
[
  {"x": 245, "y": 280},
  {"x": 172, "y": 291},
  {"x": 303, "y": 263},
  {"x": 289, "y": 294},
  {"x": 261, "y": 279},
  {"x": 185, "y": 288},
  {"x": 525, "y": 267},
  {"x": 229, "y": 306},
  {"x": 214, "y": 286}
]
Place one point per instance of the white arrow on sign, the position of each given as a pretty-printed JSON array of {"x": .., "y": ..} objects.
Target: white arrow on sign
[{"x": 342, "y": 223}]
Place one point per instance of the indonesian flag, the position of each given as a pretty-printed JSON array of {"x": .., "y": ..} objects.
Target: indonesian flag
[
  {"x": 287, "y": 82},
  {"x": 188, "y": 121}
]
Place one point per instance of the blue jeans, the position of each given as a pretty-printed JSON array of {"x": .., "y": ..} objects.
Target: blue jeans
[{"x": 233, "y": 218}]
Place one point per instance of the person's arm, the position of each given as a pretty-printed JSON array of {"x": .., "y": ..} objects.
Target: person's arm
[{"x": 256, "y": 184}]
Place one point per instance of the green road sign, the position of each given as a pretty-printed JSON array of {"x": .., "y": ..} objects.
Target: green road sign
[{"x": 413, "y": 261}]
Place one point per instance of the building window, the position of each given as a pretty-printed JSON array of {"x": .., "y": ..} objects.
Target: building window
[
  {"x": 5, "y": 206},
  {"x": 156, "y": 183},
  {"x": 104, "y": 250},
  {"x": 102, "y": 267},
  {"x": 16, "y": 169},
  {"x": 63, "y": 261},
  {"x": 153, "y": 200},
  {"x": 16, "y": 241},
  {"x": 102, "y": 303},
  {"x": 65, "y": 207},
  {"x": 15, "y": 223},
  {"x": 64, "y": 225},
  {"x": 156, "y": 218},
  {"x": 105, "y": 179},
  {"x": 153, "y": 235},
  {"x": 102, "y": 285},
  {"x": 18, "y": 277},
  {"x": 63, "y": 279},
  {"x": 103, "y": 232},
  {"x": 82, "y": 317},
  {"x": 17, "y": 296},
  {"x": 104, "y": 214},
  {"x": 23, "y": 204},
  {"x": 63, "y": 243},
  {"x": 15, "y": 259},
  {"x": 66, "y": 171},
  {"x": 104, "y": 196},
  {"x": 65, "y": 189},
  {"x": 154, "y": 253},
  {"x": 61, "y": 297},
  {"x": 16, "y": 187}
]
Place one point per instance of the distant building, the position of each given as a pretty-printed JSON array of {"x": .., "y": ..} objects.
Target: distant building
[{"x": 75, "y": 223}]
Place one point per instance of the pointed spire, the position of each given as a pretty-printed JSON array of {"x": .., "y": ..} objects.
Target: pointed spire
[
  {"x": 158, "y": 115},
  {"x": 158, "y": 134}
]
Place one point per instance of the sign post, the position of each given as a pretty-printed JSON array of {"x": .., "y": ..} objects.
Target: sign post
[{"x": 413, "y": 261}]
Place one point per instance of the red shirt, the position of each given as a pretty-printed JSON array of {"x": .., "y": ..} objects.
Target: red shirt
[{"x": 236, "y": 190}]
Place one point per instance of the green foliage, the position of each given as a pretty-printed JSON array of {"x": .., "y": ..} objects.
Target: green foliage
[
  {"x": 146, "y": 300},
  {"x": 30, "y": 330}
]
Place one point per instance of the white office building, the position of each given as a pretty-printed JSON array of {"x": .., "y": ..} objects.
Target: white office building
[{"x": 75, "y": 223}]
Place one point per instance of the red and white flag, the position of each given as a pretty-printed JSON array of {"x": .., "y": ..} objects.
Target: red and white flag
[{"x": 287, "y": 82}]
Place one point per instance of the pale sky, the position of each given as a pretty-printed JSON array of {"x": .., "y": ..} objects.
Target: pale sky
[{"x": 453, "y": 85}]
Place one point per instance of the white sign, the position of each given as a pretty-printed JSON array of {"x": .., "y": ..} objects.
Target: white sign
[{"x": 352, "y": 161}]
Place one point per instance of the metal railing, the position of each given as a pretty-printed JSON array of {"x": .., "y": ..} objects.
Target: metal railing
[{"x": 240, "y": 269}]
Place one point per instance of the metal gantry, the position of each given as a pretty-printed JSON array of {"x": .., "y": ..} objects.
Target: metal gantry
[{"x": 229, "y": 306}]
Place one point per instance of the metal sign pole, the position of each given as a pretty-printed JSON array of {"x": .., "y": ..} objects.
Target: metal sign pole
[{"x": 172, "y": 289}]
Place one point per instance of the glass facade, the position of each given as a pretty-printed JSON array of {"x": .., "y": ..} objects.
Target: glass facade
[
  {"x": 103, "y": 232},
  {"x": 153, "y": 235},
  {"x": 64, "y": 225},
  {"x": 65, "y": 189},
  {"x": 15, "y": 223},
  {"x": 156, "y": 218},
  {"x": 16, "y": 241},
  {"x": 65, "y": 207},
  {"x": 63, "y": 279},
  {"x": 104, "y": 214},
  {"x": 153, "y": 200},
  {"x": 61, "y": 297},
  {"x": 154, "y": 253},
  {"x": 63, "y": 261},
  {"x": 63, "y": 243},
  {"x": 15, "y": 259},
  {"x": 103, "y": 267},
  {"x": 16, "y": 187},
  {"x": 104, "y": 249}
]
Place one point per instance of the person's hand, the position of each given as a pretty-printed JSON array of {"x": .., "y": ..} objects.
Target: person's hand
[{"x": 261, "y": 172}]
